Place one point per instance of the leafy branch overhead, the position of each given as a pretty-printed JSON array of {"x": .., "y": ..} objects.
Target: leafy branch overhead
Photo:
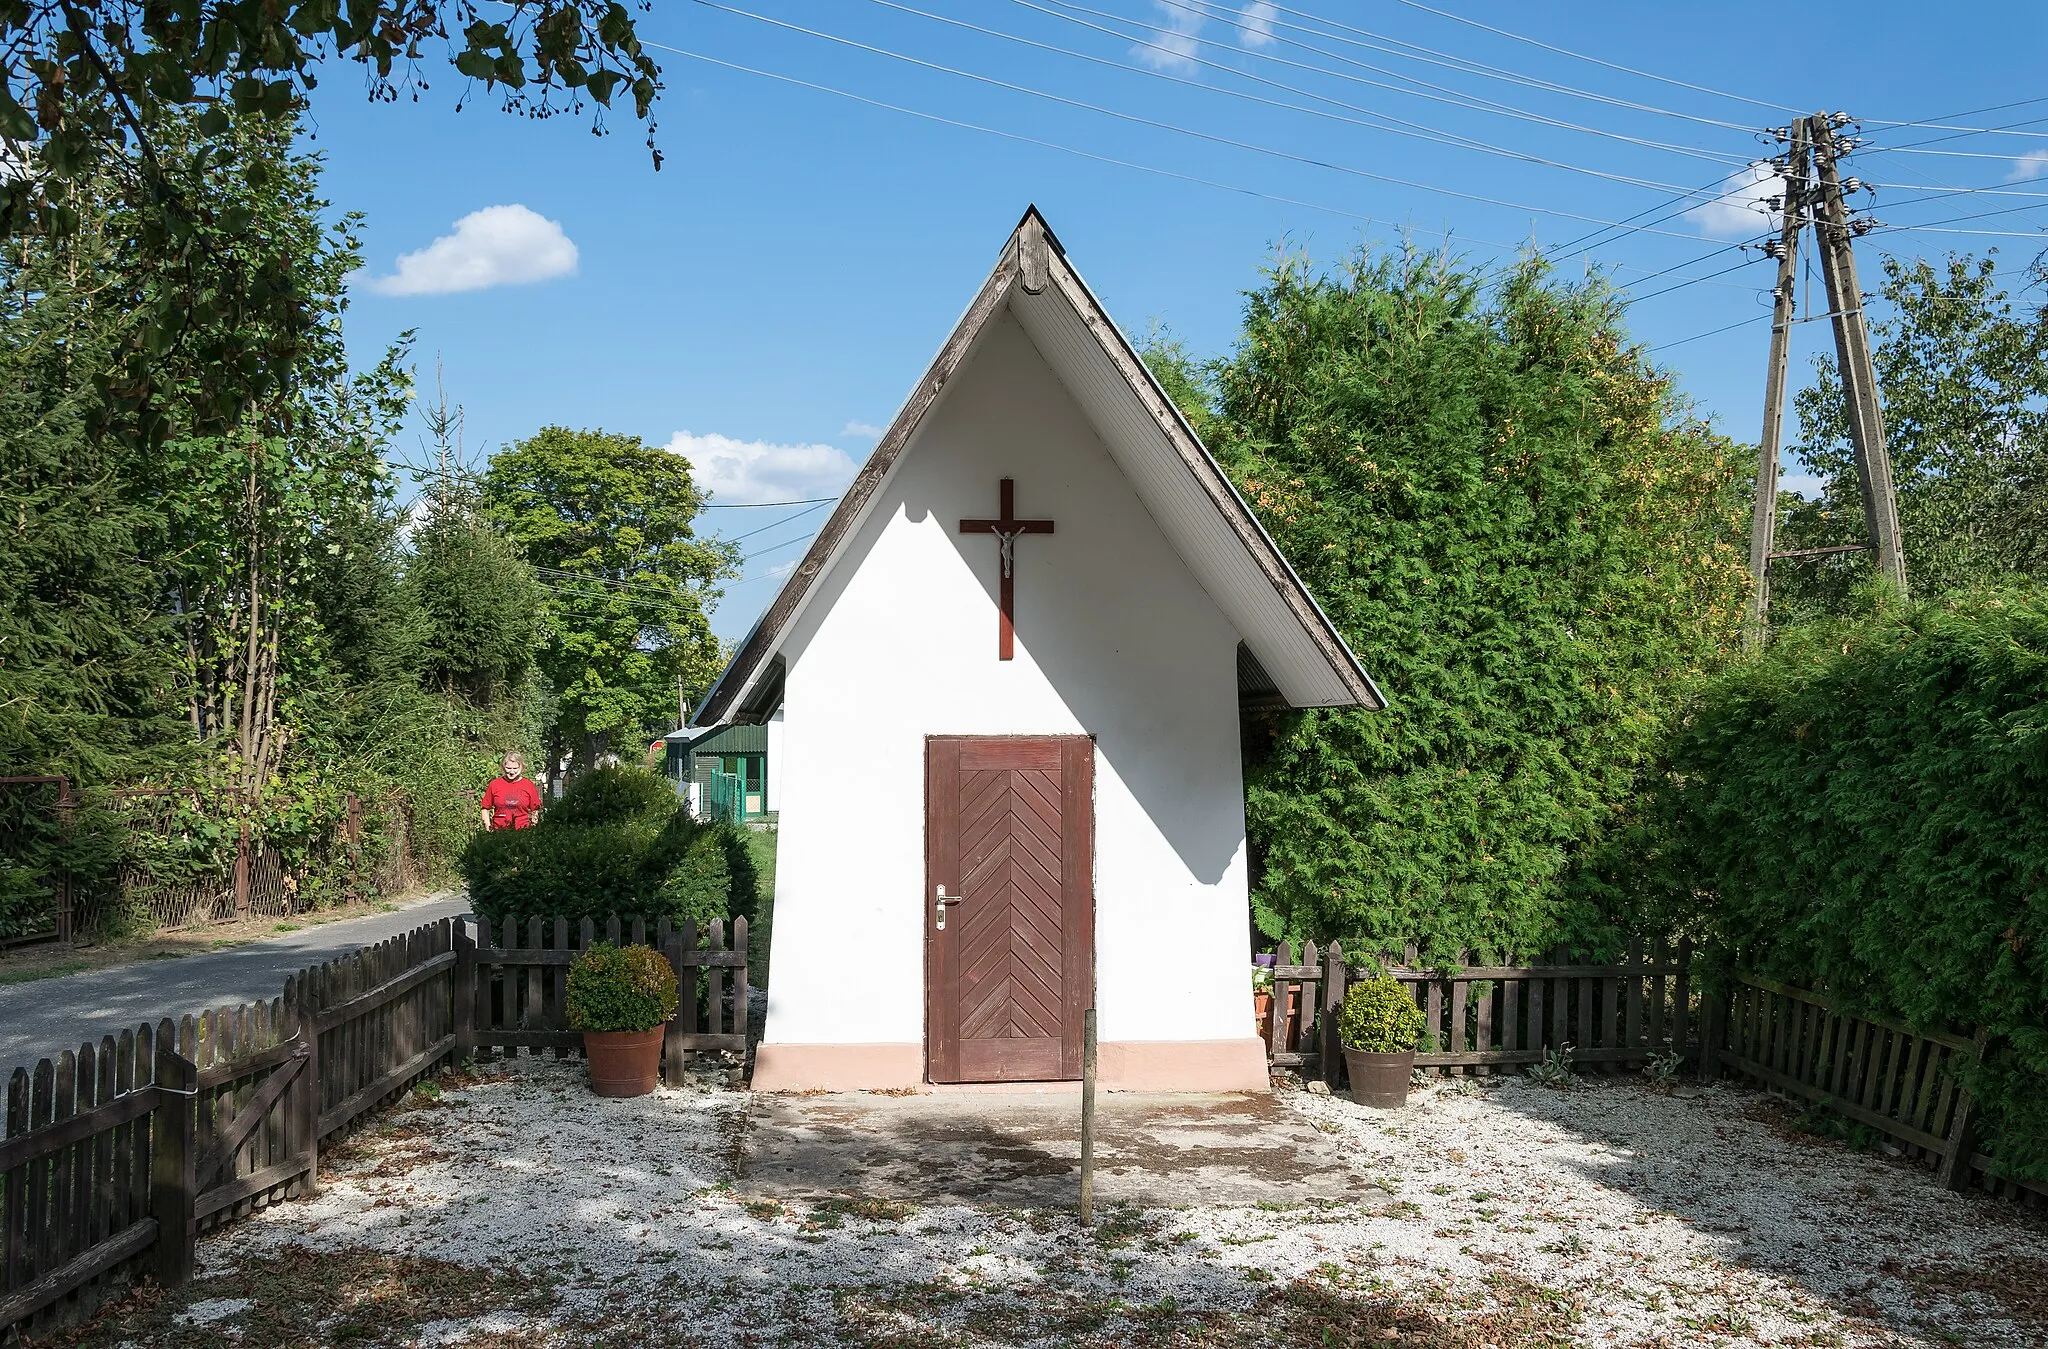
[
  {"x": 88, "y": 77},
  {"x": 95, "y": 95}
]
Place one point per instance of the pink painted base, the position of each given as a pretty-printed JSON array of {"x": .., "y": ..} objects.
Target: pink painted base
[{"x": 1123, "y": 1065}]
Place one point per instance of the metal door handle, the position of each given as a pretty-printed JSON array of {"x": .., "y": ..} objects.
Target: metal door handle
[{"x": 941, "y": 901}]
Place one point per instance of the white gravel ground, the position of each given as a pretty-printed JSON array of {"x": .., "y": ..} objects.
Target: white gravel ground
[{"x": 1672, "y": 1220}]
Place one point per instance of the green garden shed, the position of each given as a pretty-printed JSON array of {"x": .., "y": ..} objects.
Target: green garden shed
[{"x": 728, "y": 764}]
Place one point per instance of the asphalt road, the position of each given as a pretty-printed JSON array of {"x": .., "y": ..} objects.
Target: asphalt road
[{"x": 47, "y": 1016}]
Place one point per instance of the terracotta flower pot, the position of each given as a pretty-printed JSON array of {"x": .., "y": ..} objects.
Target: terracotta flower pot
[
  {"x": 1262, "y": 1013},
  {"x": 1379, "y": 1080},
  {"x": 623, "y": 1062}
]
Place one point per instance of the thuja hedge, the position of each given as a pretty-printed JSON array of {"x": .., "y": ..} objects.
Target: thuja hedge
[
  {"x": 1528, "y": 539},
  {"x": 1866, "y": 810},
  {"x": 617, "y": 842}
]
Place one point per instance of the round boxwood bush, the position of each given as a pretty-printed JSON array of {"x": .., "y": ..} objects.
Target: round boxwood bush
[
  {"x": 1379, "y": 1016},
  {"x": 614, "y": 796},
  {"x": 620, "y": 988}
]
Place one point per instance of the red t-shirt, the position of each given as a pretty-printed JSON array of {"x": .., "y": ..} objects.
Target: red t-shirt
[{"x": 512, "y": 804}]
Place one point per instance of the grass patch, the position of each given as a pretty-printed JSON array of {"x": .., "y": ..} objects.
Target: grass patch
[
  {"x": 761, "y": 847},
  {"x": 56, "y": 971}
]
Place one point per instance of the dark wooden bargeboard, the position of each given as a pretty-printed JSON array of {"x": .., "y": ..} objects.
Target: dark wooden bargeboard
[{"x": 1010, "y": 825}]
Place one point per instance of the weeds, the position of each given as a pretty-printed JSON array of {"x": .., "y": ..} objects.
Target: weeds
[
  {"x": 1663, "y": 1068},
  {"x": 1555, "y": 1071}
]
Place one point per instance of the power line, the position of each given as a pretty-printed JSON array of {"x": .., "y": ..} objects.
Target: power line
[
  {"x": 1689, "y": 281},
  {"x": 1458, "y": 98},
  {"x": 1165, "y": 126},
  {"x": 1941, "y": 124},
  {"x": 815, "y": 507},
  {"x": 1431, "y": 56},
  {"x": 760, "y": 505},
  {"x": 1113, "y": 161},
  {"x": 1577, "y": 56},
  {"x": 768, "y": 548},
  {"x": 1562, "y": 255},
  {"x": 1716, "y": 332},
  {"x": 2005, "y": 130},
  {"x": 1400, "y": 127}
]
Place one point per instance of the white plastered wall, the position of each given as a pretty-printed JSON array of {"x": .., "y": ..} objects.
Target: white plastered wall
[{"x": 1115, "y": 638}]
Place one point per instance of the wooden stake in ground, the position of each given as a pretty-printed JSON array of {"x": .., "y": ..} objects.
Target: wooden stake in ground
[{"x": 1088, "y": 1118}]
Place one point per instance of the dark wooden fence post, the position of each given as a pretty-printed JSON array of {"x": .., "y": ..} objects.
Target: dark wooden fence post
[
  {"x": 242, "y": 872},
  {"x": 1954, "y": 1172},
  {"x": 465, "y": 991},
  {"x": 1333, "y": 1001},
  {"x": 172, "y": 1187},
  {"x": 1713, "y": 1028},
  {"x": 742, "y": 992},
  {"x": 307, "y": 1113}
]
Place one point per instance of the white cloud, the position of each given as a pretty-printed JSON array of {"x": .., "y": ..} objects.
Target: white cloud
[
  {"x": 736, "y": 472},
  {"x": 1256, "y": 20},
  {"x": 782, "y": 569},
  {"x": 1173, "y": 43},
  {"x": 862, "y": 430},
  {"x": 1740, "y": 209},
  {"x": 497, "y": 246},
  {"x": 2032, "y": 164},
  {"x": 1808, "y": 485}
]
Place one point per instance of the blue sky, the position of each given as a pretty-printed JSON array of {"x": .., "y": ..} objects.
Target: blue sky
[{"x": 765, "y": 301}]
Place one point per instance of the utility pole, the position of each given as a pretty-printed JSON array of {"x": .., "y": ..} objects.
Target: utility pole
[
  {"x": 1763, "y": 526},
  {"x": 1834, "y": 234},
  {"x": 1814, "y": 195}
]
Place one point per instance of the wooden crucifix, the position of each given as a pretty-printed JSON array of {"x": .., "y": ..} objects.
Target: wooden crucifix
[{"x": 1006, "y": 529}]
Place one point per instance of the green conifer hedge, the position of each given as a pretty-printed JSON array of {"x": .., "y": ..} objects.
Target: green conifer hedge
[{"x": 1864, "y": 810}]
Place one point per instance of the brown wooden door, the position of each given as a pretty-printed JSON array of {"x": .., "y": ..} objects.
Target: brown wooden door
[{"x": 1010, "y": 832}]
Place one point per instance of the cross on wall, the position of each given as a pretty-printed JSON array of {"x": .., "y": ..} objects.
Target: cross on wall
[{"x": 1006, "y": 528}]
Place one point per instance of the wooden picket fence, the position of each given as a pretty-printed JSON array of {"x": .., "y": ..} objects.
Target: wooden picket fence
[
  {"x": 1482, "y": 1019},
  {"x": 512, "y": 993},
  {"x": 119, "y": 1155},
  {"x": 1911, "y": 1088}
]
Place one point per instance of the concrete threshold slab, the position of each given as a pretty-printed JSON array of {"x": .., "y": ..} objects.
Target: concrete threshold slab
[{"x": 1024, "y": 1150}]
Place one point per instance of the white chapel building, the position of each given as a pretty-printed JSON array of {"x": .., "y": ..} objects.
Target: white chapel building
[{"x": 1006, "y": 683}]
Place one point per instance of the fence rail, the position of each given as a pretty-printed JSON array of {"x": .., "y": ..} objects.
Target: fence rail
[
  {"x": 518, "y": 989},
  {"x": 1910, "y": 1087},
  {"x": 117, "y": 1156},
  {"x": 1481, "y": 1019}
]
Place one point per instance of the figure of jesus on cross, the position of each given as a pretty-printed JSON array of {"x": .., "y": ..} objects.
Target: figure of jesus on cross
[{"x": 1006, "y": 531}]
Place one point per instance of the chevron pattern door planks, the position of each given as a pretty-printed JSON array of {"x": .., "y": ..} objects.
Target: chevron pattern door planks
[{"x": 1010, "y": 828}]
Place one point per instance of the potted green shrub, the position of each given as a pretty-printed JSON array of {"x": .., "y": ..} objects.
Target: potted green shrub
[
  {"x": 621, "y": 997},
  {"x": 1379, "y": 1024}
]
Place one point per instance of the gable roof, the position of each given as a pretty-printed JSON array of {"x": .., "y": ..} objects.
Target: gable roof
[{"x": 1194, "y": 504}]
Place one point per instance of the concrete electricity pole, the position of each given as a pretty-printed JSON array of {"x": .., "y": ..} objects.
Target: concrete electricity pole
[
  {"x": 1763, "y": 525},
  {"x": 1821, "y": 190},
  {"x": 1834, "y": 233}
]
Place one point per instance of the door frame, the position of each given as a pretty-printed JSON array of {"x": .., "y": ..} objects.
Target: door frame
[{"x": 1077, "y": 805}]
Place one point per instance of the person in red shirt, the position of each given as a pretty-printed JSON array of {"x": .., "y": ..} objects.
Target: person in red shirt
[{"x": 511, "y": 801}]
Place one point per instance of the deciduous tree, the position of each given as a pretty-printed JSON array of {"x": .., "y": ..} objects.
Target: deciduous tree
[{"x": 609, "y": 524}]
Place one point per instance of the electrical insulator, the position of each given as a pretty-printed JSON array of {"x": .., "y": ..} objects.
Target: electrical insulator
[
  {"x": 1856, "y": 185},
  {"x": 1774, "y": 248},
  {"x": 1863, "y": 225}
]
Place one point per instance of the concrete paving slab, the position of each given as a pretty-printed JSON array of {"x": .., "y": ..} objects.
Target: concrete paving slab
[{"x": 1024, "y": 1150}]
